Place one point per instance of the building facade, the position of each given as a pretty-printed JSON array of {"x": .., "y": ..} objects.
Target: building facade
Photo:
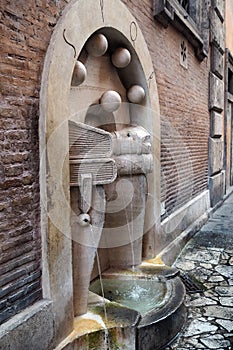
[
  {"x": 228, "y": 99},
  {"x": 185, "y": 49}
]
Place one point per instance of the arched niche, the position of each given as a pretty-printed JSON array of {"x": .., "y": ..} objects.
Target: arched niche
[{"x": 56, "y": 108}]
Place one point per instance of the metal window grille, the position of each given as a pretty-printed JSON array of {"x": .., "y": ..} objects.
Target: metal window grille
[{"x": 184, "y": 4}]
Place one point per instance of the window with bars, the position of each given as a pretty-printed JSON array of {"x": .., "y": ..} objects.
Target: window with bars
[
  {"x": 184, "y": 4},
  {"x": 188, "y": 17},
  {"x": 191, "y": 7}
]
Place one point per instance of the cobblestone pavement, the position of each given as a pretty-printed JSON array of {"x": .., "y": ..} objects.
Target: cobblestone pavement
[{"x": 208, "y": 260}]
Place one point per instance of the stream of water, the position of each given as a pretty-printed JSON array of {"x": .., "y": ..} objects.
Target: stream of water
[{"x": 106, "y": 333}]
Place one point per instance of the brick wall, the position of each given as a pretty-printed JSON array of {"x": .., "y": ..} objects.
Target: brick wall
[
  {"x": 26, "y": 27},
  {"x": 185, "y": 125},
  {"x": 183, "y": 95}
]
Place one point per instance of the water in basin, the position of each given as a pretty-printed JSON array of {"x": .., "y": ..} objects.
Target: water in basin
[{"x": 142, "y": 295}]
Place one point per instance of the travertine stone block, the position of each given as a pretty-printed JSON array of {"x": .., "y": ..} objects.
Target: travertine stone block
[
  {"x": 33, "y": 328},
  {"x": 219, "y": 7},
  {"x": 216, "y": 91},
  {"x": 215, "y": 155},
  {"x": 216, "y": 124},
  {"x": 217, "y": 62},
  {"x": 217, "y": 31},
  {"x": 216, "y": 185},
  {"x": 124, "y": 226}
]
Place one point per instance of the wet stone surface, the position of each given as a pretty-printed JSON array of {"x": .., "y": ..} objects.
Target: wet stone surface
[{"x": 209, "y": 257}]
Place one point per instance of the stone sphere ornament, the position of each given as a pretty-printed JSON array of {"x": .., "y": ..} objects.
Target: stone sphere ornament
[
  {"x": 110, "y": 101},
  {"x": 121, "y": 57},
  {"x": 84, "y": 219},
  {"x": 97, "y": 45},
  {"x": 136, "y": 94},
  {"x": 79, "y": 74}
]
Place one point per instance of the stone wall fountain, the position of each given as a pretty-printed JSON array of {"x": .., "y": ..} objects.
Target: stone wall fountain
[
  {"x": 109, "y": 166},
  {"x": 102, "y": 164}
]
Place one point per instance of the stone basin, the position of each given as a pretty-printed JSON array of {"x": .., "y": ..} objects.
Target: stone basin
[
  {"x": 138, "y": 293},
  {"x": 157, "y": 294},
  {"x": 141, "y": 309}
]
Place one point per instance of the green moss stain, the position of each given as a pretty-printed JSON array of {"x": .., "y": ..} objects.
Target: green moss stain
[
  {"x": 95, "y": 340},
  {"x": 107, "y": 339},
  {"x": 115, "y": 344}
]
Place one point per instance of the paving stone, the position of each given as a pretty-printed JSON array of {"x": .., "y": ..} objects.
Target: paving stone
[
  {"x": 209, "y": 286},
  {"x": 199, "y": 327},
  {"x": 215, "y": 342},
  {"x": 203, "y": 302},
  {"x": 203, "y": 271},
  {"x": 206, "y": 266},
  {"x": 211, "y": 295},
  {"x": 224, "y": 291},
  {"x": 195, "y": 313},
  {"x": 219, "y": 312},
  {"x": 225, "y": 256},
  {"x": 216, "y": 279},
  {"x": 224, "y": 283},
  {"x": 211, "y": 257},
  {"x": 214, "y": 248},
  {"x": 228, "y": 325},
  {"x": 202, "y": 274},
  {"x": 226, "y": 301},
  {"x": 186, "y": 265},
  {"x": 193, "y": 341},
  {"x": 226, "y": 271},
  {"x": 195, "y": 296},
  {"x": 229, "y": 335},
  {"x": 188, "y": 298}
]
